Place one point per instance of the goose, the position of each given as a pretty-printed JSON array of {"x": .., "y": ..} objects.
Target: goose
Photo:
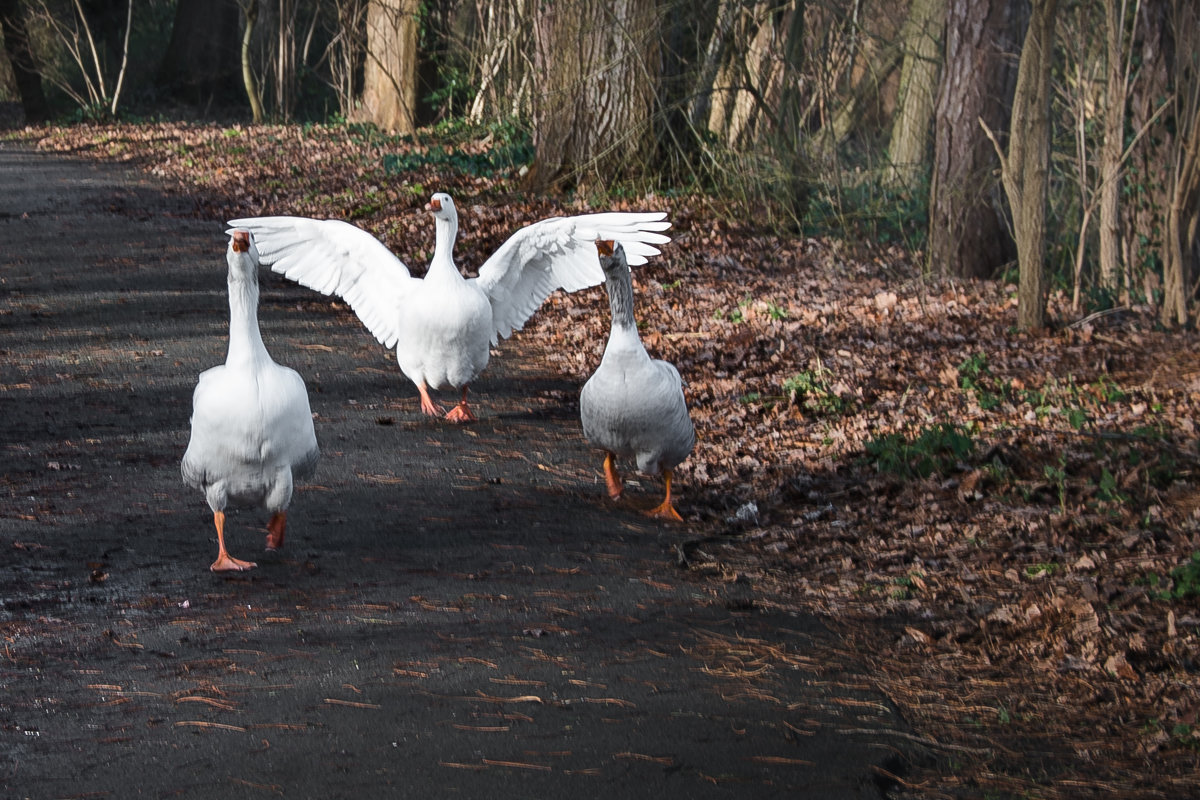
[
  {"x": 633, "y": 406},
  {"x": 251, "y": 429},
  {"x": 443, "y": 326}
]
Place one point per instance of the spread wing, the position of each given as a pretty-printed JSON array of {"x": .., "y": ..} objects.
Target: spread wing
[
  {"x": 335, "y": 257},
  {"x": 560, "y": 253}
]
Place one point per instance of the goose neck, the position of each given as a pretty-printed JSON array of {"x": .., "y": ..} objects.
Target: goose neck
[
  {"x": 620, "y": 297},
  {"x": 245, "y": 338},
  {"x": 446, "y": 230}
]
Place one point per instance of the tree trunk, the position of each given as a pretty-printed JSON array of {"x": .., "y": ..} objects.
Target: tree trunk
[
  {"x": 1151, "y": 159},
  {"x": 968, "y": 236},
  {"x": 852, "y": 105},
  {"x": 921, "y": 39},
  {"x": 764, "y": 52},
  {"x": 1111, "y": 150},
  {"x": 597, "y": 72},
  {"x": 499, "y": 57},
  {"x": 736, "y": 111},
  {"x": 1025, "y": 170},
  {"x": 24, "y": 65},
  {"x": 345, "y": 53},
  {"x": 116, "y": 96},
  {"x": 714, "y": 55},
  {"x": 289, "y": 44},
  {"x": 248, "y": 80},
  {"x": 202, "y": 60},
  {"x": 1181, "y": 245},
  {"x": 389, "y": 97}
]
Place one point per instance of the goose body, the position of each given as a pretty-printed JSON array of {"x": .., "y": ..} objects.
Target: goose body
[
  {"x": 443, "y": 326},
  {"x": 252, "y": 432},
  {"x": 633, "y": 405}
]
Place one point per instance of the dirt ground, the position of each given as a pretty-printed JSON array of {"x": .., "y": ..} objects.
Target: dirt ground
[{"x": 457, "y": 610}]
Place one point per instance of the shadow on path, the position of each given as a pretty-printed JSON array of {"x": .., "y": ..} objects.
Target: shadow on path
[{"x": 458, "y": 611}]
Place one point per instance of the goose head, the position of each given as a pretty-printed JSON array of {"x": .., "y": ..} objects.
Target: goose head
[
  {"x": 242, "y": 257},
  {"x": 612, "y": 258},
  {"x": 441, "y": 206}
]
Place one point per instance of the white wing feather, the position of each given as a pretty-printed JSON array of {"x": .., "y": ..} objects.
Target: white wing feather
[
  {"x": 335, "y": 257},
  {"x": 560, "y": 253}
]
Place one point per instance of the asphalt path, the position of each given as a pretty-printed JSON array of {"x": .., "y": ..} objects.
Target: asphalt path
[{"x": 457, "y": 611}]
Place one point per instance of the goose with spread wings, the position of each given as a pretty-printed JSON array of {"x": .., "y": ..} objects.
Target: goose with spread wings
[{"x": 443, "y": 325}]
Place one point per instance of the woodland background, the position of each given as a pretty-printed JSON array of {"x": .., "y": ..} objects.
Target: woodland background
[
  {"x": 1055, "y": 139},
  {"x": 933, "y": 289}
]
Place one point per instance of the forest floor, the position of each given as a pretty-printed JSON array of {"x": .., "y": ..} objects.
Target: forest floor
[{"x": 969, "y": 555}]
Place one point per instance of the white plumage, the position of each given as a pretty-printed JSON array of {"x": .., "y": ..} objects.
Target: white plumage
[
  {"x": 252, "y": 430},
  {"x": 443, "y": 326},
  {"x": 633, "y": 405}
]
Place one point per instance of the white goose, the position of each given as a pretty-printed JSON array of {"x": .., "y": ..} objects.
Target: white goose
[
  {"x": 444, "y": 325},
  {"x": 252, "y": 430},
  {"x": 633, "y": 405}
]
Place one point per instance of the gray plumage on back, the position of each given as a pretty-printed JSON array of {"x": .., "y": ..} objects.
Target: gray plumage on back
[{"x": 633, "y": 405}]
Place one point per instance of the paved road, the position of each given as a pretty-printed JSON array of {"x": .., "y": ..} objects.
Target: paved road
[{"x": 457, "y": 611}]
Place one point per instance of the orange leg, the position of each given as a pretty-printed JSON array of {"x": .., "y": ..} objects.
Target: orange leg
[
  {"x": 665, "y": 510},
  {"x": 225, "y": 562},
  {"x": 611, "y": 478},
  {"x": 275, "y": 530},
  {"x": 427, "y": 404},
  {"x": 461, "y": 412}
]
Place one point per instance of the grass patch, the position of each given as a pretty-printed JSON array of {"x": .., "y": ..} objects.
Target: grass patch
[
  {"x": 1182, "y": 582},
  {"x": 507, "y": 147},
  {"x": 934, "y": 451},
  {"x": 811, "y": 390}
]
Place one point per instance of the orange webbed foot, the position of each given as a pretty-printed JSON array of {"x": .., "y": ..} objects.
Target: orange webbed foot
[
  {"x": 227, "y": 563},
  {"x": 461, "y": 413},
  {"x": 612, "y": 480},
  {"x": 427, "y": 405},
  {"x": 276, "y": 528},
  {"x": 665, "y": 510}
]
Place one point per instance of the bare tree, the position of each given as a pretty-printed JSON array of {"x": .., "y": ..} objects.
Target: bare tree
[
  {"x": 921, "y": 38},
  {"x": 389, "y": 97},
  {"x": 864, "y": 54},
  {"x": 295, "y": 25},
  {"x": 1099, "y": 177},
  {"x": 346, "y": 50},
  {"x": 1146, "y": 191},
  {"x": 968, "y": 234},
  {"x": 1118, "y": 57},
  {"x": 597, "y": 67},
  {"x": 1181, "y": 245},
  {"x": 714, "y": 56},
  {"x": 249, "y": 79},
  {"x": 1025, "y": 168},
  {"x": 74, "y": 33},
  {"x": 26, "y": 71},
  {"x": 503, "y": 62}
]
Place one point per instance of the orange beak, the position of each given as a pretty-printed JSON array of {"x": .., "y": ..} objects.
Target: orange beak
[{"x": 435, "y": 205}]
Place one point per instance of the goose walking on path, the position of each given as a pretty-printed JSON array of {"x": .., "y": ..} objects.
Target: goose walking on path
[
  {"x": 252, "y": 429},
  {"x": 443, "y": 326},
  {"x": 633, "y": 405}
]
